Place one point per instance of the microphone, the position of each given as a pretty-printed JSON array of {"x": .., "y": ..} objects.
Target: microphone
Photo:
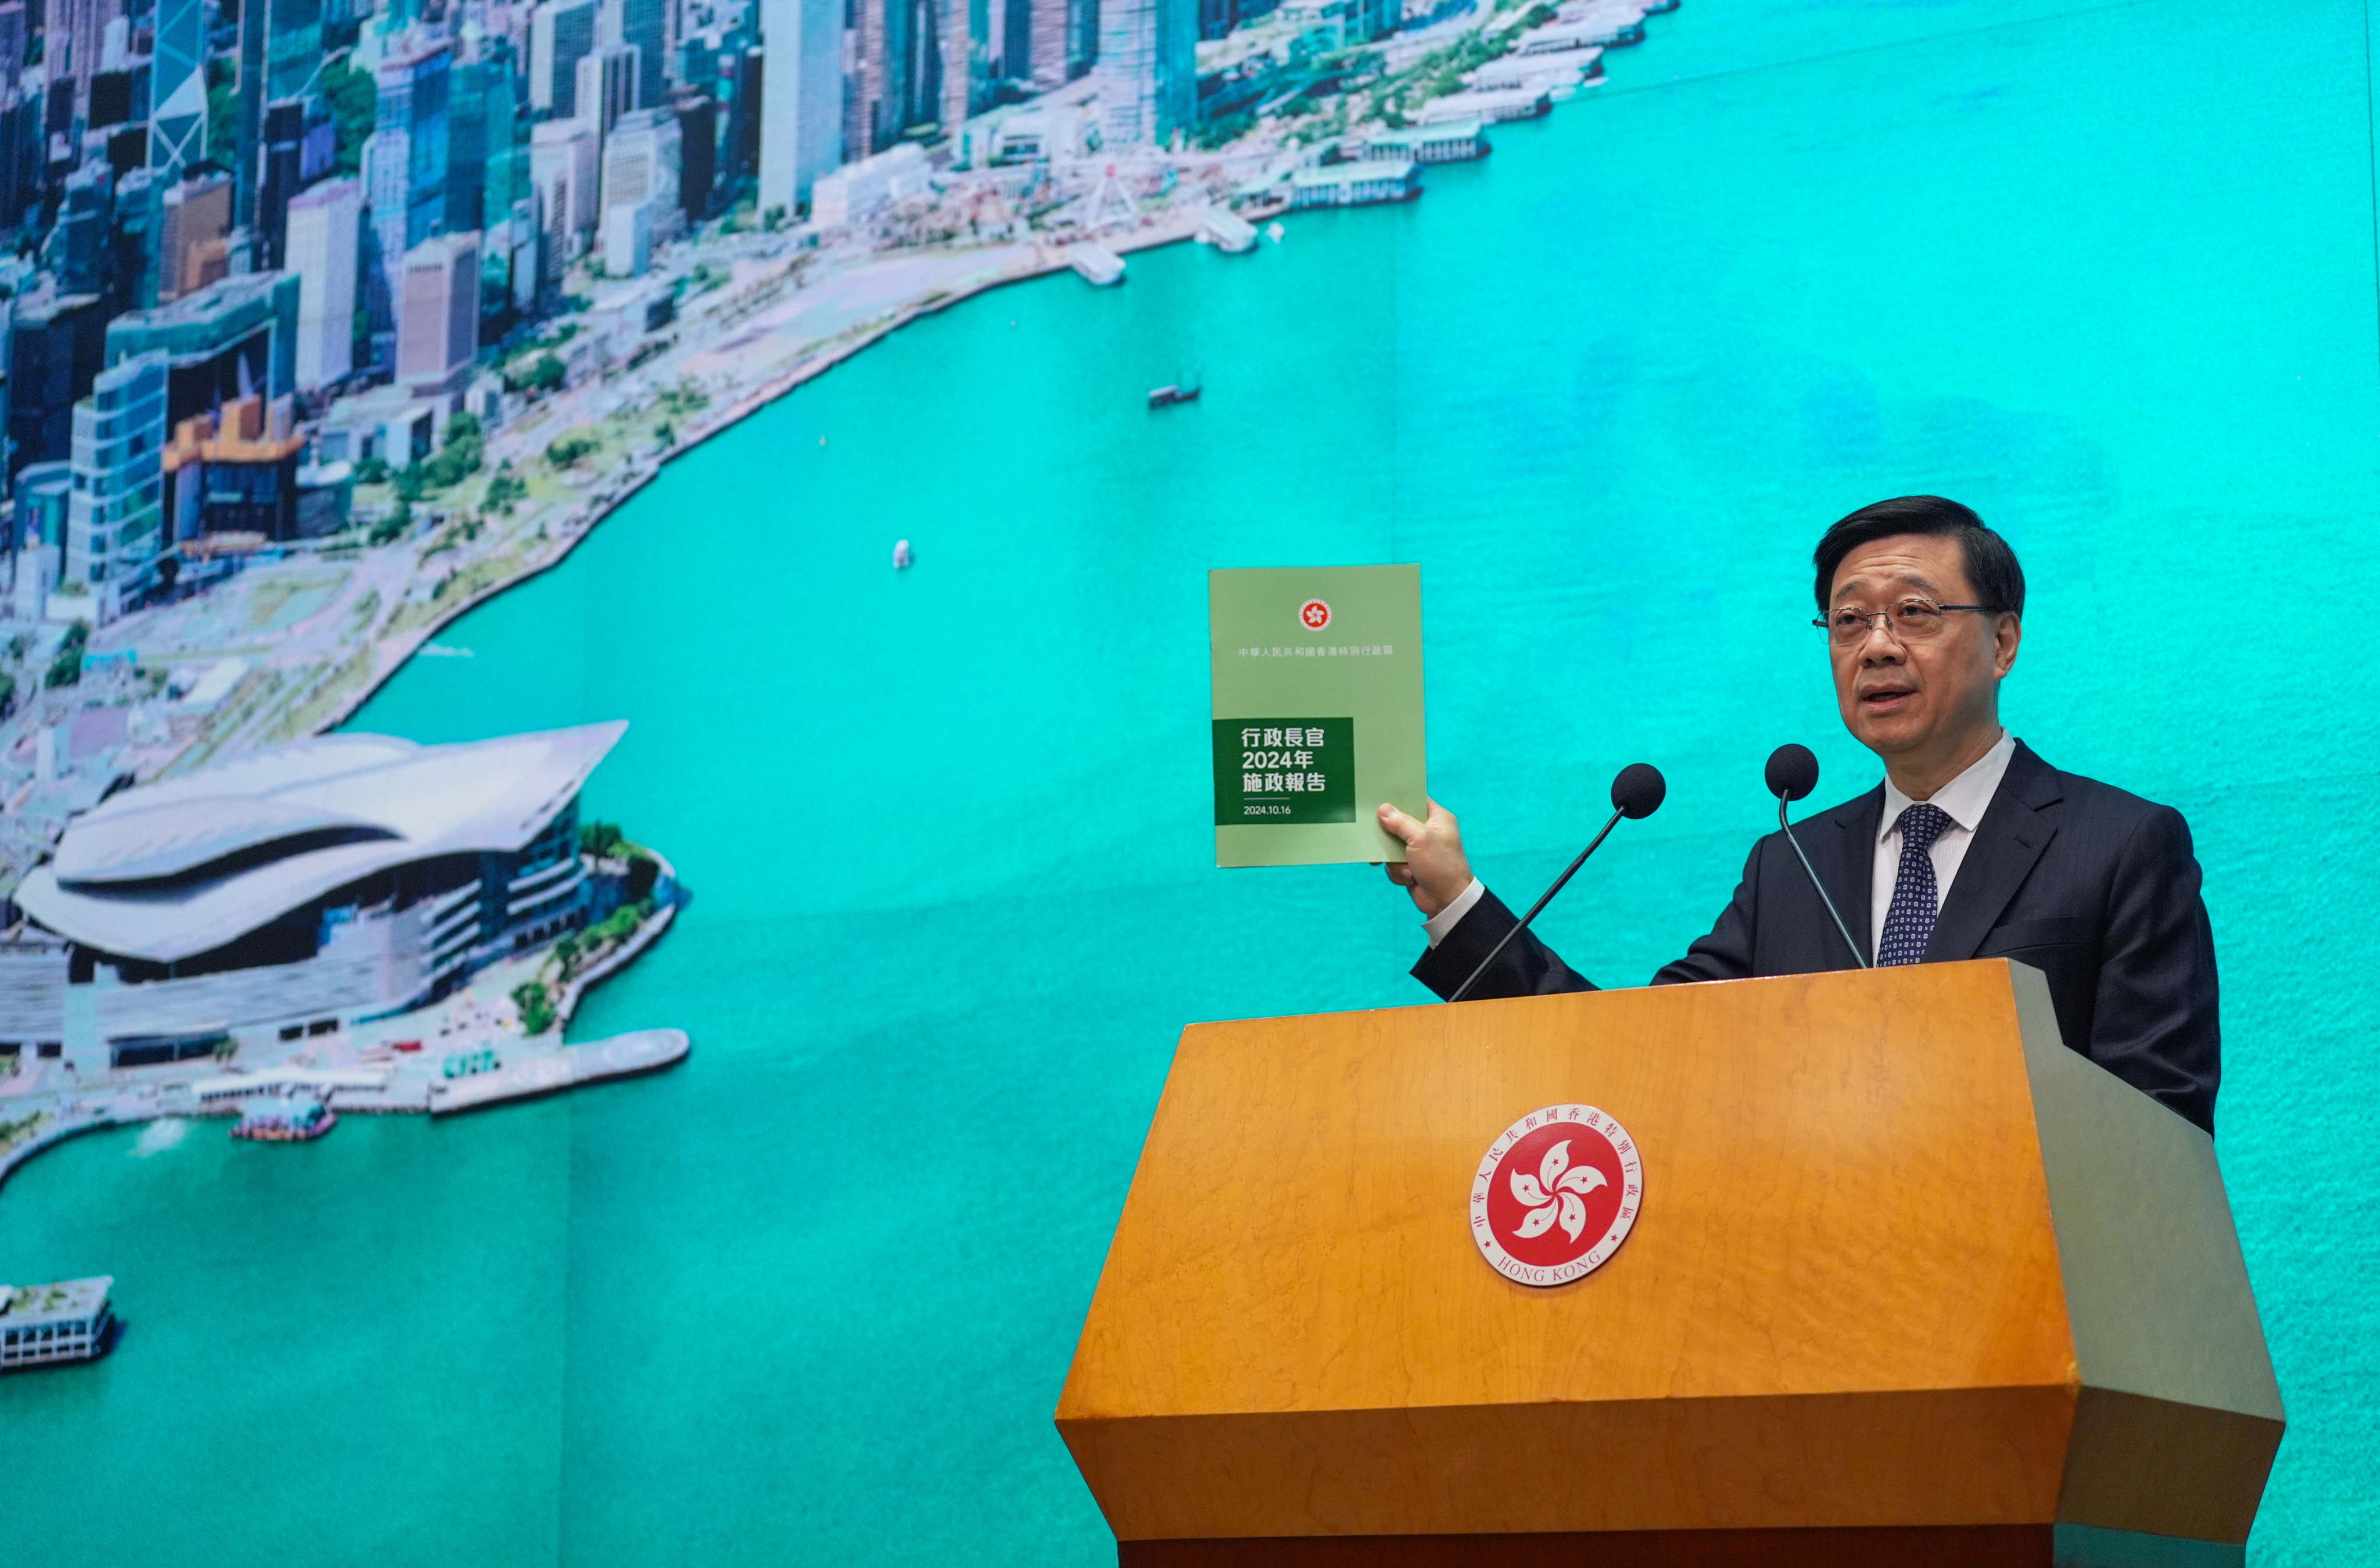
[
  {"x": 1792, "y": 772},
  {"x": 1636, "y": 793}
]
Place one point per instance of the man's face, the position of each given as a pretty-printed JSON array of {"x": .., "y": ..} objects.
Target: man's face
[{"x": 1922, "y": 694}]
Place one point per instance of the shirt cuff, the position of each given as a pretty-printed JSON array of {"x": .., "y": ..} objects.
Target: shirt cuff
[{"x": 1446, "y": 919}]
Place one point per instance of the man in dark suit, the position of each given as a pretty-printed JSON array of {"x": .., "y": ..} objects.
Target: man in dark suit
[{"x": 1971, "y": 847}]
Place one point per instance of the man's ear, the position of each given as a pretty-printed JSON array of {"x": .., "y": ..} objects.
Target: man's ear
[{"x": 2007, "y": 633}]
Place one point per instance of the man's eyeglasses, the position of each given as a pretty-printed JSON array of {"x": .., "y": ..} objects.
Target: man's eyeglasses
[{"x": 1912, "y": 619}]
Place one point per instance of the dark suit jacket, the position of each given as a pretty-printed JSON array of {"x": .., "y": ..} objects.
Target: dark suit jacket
[{"x": 2095, "y": 888}]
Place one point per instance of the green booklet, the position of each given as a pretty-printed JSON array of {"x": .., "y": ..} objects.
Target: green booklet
[{"x": 1317, "y": 711}]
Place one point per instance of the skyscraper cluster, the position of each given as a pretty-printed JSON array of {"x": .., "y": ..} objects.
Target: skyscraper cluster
[
  {"x": 237, "y": 218},
  {"x": 234, "y": 213},
  {"x": 850, "y": 79}
]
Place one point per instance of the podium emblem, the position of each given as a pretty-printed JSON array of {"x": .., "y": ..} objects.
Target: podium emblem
[
  {"x": 1556, "y": 1194},
  {"x": 1314, "y": 614}
]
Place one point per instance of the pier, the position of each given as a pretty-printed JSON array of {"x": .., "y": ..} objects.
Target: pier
[
  {"x": 43, "y": 1325},
  {"x": 1452, "y": 142},
  {"x": 1357, "y": 185},
  {"x": 622, "y": 1056}
]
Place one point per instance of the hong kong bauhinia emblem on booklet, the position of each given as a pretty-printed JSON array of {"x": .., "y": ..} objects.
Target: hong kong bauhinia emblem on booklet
[{"x": 1556, "y": 1194}]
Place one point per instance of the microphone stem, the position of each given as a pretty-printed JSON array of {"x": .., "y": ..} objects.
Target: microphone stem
[
  {"x": 1558, "y": 883},
  {"x": 1858, "y": 956}
]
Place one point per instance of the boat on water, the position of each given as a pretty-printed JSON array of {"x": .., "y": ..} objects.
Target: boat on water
[
  {"x": 1098, "y": 265},
  {"x": 1175, "y": 392},
  {"x": 901, "y": 556},
  {"x": 292, "y": 1118}
]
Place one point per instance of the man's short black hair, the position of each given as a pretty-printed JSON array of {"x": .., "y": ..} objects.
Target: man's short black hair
[{"x": 1992, "y": 570}]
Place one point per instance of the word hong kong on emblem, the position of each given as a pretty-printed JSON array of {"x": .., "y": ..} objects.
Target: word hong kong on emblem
[{"x": 1556, "y": 1194}]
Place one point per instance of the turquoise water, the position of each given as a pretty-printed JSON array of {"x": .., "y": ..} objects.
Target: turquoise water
[{"x": 2107, "y": 273}]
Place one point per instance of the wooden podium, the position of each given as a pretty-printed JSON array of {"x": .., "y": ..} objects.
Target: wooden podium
[{"x": 1911, "y": 1283}]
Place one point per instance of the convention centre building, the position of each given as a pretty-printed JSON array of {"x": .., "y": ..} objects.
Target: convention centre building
[{"x": 296, "y": 889}]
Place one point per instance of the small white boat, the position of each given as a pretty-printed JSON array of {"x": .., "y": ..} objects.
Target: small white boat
[
  {"x": 1273, "y": 231},
  {"x": 901, "y": 556},
  {"x": 1098, "y": 265}
]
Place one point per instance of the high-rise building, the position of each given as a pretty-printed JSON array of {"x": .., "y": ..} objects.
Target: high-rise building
[
  {"x": 502, "y": 213},
  {"x": 248, "y": 127},
  {"x": 140, "y": 225},
  {"x": 111, "y": 99},
  {"x": 898, "y": 80},
  {"x": 13, "y": 33},
  {"x": 1083, "y": 24},
  {"x": 644, "y": 27},
  {"x": 301, "y": 143},
  {"x": 75, "y": 46},
  {"x": 194, "y": 235},
  {"x": 627, "y": 239},
  {"x": 1149, "y": 69},
  {"x": 470, "y": 85},
  {"x": 234, "y": 338},
  {"x": 438, "y": 320},
  {"x": 294, "y": 52},
  {"x": 56, "y": 348},
  {"x": 41, "y": 494},
  {"x": 742, "y": 151},
  {"x": 561, "y": 33},
  {"x": 20, "y": 152},
  {"x": 376, "y": 282},
  {"x": 178, "y": 88},
  {"x": 607, "y": 86},
  {"x": 527, "y": 262},
  {"x": 698, "y": 154},
  {"x": 406, "y": 161},
  {"x": 640, "y": 169},
  {"x": 801, "y": 107},
  {"x": 564, "y": 157},
  {"x": 323, "y": 221},
  {"x": 78, "y": 252},
  {"x": 967, "y": 59},
  {"x": 1012, "y": 38},
  {"x": 115, "y": 514}
]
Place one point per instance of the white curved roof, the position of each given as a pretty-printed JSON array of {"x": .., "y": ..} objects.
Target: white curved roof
[{"x": 364, "y": 803}]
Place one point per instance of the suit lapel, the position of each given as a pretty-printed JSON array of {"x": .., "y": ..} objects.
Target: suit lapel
[
  {"x": 1845, "y": 860},
  {"x": 2017, "y": 826}
]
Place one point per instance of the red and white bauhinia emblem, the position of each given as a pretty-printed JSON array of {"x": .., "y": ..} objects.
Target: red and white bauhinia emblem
[
  {"x": 1314, "y": 614},
  {"x": 1556, "y": 1194}
]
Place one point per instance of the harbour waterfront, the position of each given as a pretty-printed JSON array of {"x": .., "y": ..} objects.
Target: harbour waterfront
[{"x": 808, "y": 1296}]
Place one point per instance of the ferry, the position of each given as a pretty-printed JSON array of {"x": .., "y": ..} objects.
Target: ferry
[
  {"x": 1098, "y": 265},
  {"x": 1175, "y": 392},
  {"x": 291, "y": 1118}
]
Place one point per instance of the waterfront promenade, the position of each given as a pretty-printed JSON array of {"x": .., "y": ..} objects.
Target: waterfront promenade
[{"x": 308, "y": 634}]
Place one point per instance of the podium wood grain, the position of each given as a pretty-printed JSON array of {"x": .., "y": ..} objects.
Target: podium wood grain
[{"x": 1841, "y": 1305}]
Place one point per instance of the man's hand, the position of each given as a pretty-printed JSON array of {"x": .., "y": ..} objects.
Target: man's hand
[{"x": 1434, "y": 867}]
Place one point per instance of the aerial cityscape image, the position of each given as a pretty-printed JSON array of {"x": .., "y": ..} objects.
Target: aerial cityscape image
[{"x": 605, "y": 799}]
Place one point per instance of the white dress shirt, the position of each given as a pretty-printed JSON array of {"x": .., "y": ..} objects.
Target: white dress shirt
[{"x": 1963, "y": 799}]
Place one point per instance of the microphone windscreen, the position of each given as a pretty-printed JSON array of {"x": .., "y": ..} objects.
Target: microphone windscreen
[
  {"x": 1792, "y": 772},
  {"x": 1638, "y": 791}
]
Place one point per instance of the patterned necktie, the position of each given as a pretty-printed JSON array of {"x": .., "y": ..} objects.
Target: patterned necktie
[{"x": 1909, "y": 924}]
